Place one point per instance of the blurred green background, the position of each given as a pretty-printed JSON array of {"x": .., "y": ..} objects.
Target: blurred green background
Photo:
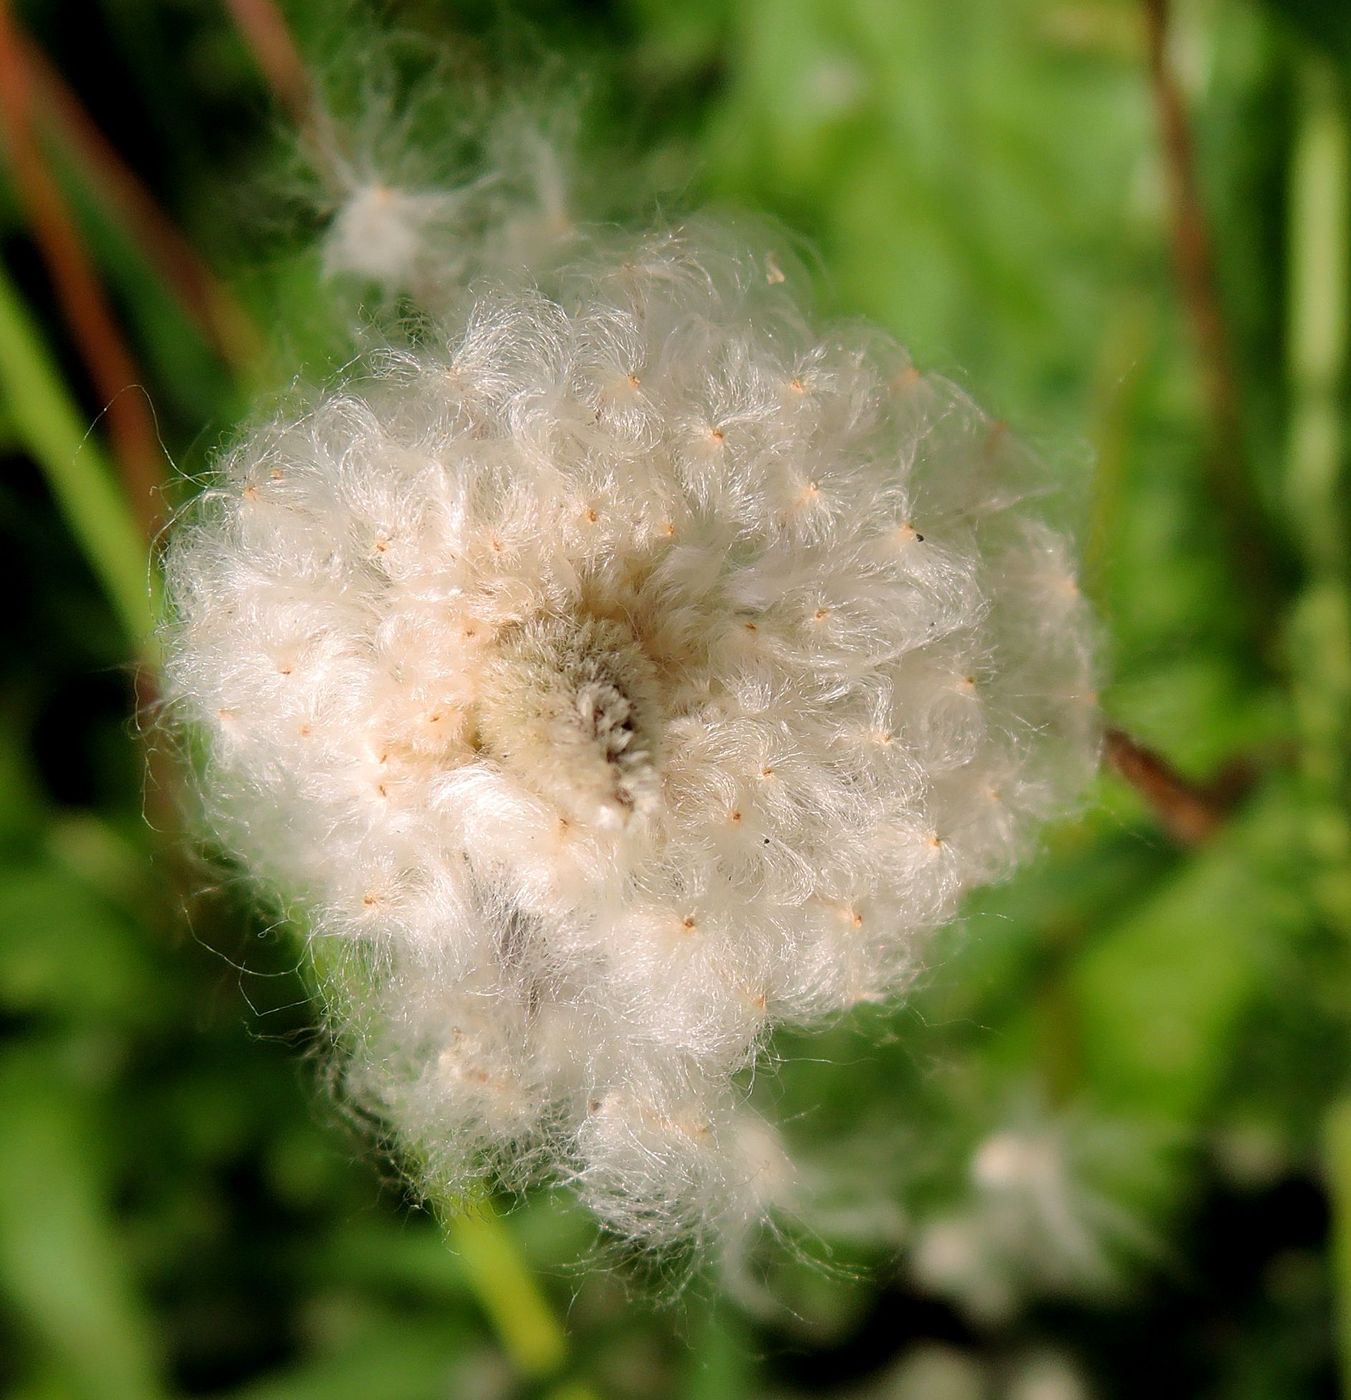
[{"x": 1114, "y": 1120}]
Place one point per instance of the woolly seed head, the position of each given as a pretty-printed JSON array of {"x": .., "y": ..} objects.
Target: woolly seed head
[{"x": 629, "y": 667}]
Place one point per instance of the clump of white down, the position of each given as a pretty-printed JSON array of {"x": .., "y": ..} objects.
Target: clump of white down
[{"x": 628, "y": 668}]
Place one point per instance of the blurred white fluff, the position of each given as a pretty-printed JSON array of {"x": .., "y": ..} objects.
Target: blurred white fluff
[
  {"x": 431, "y": 199},
  {"x": 627, "y": 667},
  {"x": 1044, "y": 1214}
]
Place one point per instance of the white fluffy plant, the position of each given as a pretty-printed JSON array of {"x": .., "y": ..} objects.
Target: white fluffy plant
[{"x": 620, "y": 666}]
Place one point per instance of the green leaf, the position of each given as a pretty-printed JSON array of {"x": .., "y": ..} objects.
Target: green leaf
[
  {"x": 64, "y": 951},
  {"x": 394, "y": 1362},
  {"x": 1158, "y": 998},
  {"x": 61, "y": 1265}
]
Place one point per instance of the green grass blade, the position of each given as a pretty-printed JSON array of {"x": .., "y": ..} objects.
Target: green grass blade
[{"x": 48, "y": 425}]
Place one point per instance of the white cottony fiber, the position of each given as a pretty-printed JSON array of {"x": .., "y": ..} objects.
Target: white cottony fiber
[{"x": 621, "y": 669}]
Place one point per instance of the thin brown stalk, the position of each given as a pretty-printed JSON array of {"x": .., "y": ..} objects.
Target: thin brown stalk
[
  {"x": 84, "y": 307},
  {"x": 1188, "y": 811},
  {"x": 1194, "y": 262},
  {"x": 264, "y": 30},
  {"x": 220, "y": 317}
]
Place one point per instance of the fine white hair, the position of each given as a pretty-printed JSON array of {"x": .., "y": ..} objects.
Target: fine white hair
[{"x": 622, "y": 666}]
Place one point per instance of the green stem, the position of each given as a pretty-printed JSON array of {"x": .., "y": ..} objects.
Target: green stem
[
  {"x": 530, "y": 1334},
  {"x": 1319, "y": 185},
  {"x": 1116, "y": 384},
  {"x": 48, "y": 425},
  {"x": 1320, "y": 628},
  {"x": 718, "y": 1362},
  {"x": 1337, "y": 1162}
]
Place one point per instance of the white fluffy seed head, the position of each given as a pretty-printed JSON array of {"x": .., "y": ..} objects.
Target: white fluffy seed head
[{"x": 626, "y": 668}]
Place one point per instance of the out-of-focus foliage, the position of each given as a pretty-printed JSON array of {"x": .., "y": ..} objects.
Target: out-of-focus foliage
[{"x": 1123, "y": 1080}]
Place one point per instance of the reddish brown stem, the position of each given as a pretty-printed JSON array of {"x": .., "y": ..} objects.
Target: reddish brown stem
[
  {"x": 1188, "y": 811},
  {"x": 220, "y": 317},
  {"x": 84, "y": 307},
  {"x": 1194, "y": 262},
  {"x": 264, "y": 30}
]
